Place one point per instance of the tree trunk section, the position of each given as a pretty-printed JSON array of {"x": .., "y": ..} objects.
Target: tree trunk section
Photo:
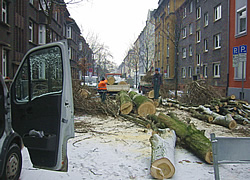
[
  {"x": 122, "y": 83},
  {"x": 162, "y": 155},
  {"x": 151, "y": 94},
  {"x": 126, "y": 105},
  {"x": 226, "y": 121},
  {"x": 194, "y": 139},
  {"x": 111, "y": 80},
  {"x": 144, "y": 106},
  {"x": 203, "y": 117}
]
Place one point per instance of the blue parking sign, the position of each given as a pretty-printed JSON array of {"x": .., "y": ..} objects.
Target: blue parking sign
[
  {"x": 243, "y": 49},
  {"x": 235, "y": 50}
]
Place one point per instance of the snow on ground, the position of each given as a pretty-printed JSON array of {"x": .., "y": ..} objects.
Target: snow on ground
[{"x": 114, "y": 149}]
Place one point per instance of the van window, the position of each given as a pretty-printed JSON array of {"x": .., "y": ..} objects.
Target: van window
[{"x": 41, "y": 73}]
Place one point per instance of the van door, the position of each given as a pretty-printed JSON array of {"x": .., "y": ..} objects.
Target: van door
[{"x": 42, "y": 105}]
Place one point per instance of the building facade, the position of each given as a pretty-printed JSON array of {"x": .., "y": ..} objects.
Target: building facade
[
  {"x": 165, "y": 37},
  {"x": 26, "y": 24},
  {"x": 239, "y": 67},
  {"x": 204, "y": 43}
]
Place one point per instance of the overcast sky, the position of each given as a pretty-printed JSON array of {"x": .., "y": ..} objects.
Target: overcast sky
[{"x": 117, "y": 23}]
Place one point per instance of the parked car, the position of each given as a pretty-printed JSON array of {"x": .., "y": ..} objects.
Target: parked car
[{"x": 37, "y": 111}]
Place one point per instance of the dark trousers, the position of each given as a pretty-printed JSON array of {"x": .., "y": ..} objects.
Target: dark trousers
[
  {"x": 156, "y": 91},
  {"x": 103, "y": 95}
]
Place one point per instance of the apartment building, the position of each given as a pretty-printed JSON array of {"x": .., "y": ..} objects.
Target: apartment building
[
  {"x": 204, "y": 43},
  {"x": 239, "y": 66},
  {"x": 26, "y": 24},
  {"x": 165, "y": 37}
]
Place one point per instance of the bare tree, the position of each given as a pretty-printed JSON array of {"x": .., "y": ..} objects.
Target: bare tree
[
  {"x": 101, "y": 53},
  {"x": 48, "y": 7}
]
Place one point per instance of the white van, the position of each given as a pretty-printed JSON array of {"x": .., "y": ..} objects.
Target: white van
[{"x": 37, "y": 112}]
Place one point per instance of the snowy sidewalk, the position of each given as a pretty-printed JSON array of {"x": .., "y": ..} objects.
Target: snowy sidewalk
[{"x": 114, "y": 149}]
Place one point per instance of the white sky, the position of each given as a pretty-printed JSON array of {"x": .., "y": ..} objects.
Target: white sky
[{"x": 117, "y": 23}]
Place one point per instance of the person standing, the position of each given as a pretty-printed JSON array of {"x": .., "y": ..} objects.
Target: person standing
[
  {"x": 157, "y": 82},
  {"x": 102, "y": 89}
]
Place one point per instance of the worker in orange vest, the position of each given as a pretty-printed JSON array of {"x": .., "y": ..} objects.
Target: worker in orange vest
[{"x": 102, "y": 89}]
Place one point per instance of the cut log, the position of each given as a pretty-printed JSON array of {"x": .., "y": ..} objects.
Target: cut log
[
  {"x": 122, "y": 83},
  {"x": 151, "y": 94},
  {"x": 226, "y": 121},
  {"x": 203, "y": 117},
  {"x": 84, "y": 93},
  {"x": 111, "y": 80},
  {"x": 144, "y": 106},
  {"x": 241, "y": 120},
  {"x": 162, "y": 155},
  {"x": 194, "y": 139},
  {"x": 126, "y": 105}
]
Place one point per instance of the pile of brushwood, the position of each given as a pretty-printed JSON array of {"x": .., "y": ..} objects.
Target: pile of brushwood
[
  {"x": 87, "y": 101},
  {"x": 198, "y": 93}
]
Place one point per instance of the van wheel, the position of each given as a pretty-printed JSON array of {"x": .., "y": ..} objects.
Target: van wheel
[{"x": 13, "y": 164}]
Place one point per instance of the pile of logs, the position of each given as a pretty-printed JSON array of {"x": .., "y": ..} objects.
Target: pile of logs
[{"x": 227, "y": 111}]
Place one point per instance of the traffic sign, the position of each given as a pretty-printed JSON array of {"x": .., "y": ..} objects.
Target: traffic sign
[
  {"x": 235, "y": 50},
  {"x": 235, "y": 56},
  {"x": 243, "y": 53}
]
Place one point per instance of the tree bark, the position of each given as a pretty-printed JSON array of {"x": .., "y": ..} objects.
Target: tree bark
[
  {"x": 162, "y": 156},
  {"x": 194, "y": 139},
  {"x": 226, "y": 121},
  {"x": 126, "y": 105},
  {"x": 144, "y": 106},
  {"x": 203, "y": 117}
]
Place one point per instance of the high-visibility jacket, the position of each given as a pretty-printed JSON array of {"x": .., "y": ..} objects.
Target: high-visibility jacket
[
  {"x": 106, "y": 81},
  {"x": 102, "y": 85}
]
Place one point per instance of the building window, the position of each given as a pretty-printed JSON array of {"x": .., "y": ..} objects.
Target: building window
[
  {"x": 241, "y": 20},
  {"x": 205, "y": 71},
  {"x": 42, "y": 34},
  {"x": 184, "y": 12},
  {"x": 217, "y": 13},
  {"x": 184, "y": 53},
  {"x": 4, "y": 12},
  {"x": 217, "y": 41},
  {"x": 167, "y": 50},
  {"x": 190, "y": 50},
  {"x": 43, "y": 5},
  {"x": 191, "y": 7},
  {"x": 30, "y": 31},
  {"x": 168, "y": 8},
  {"x": 197, "y": 70},
  {"x": 238, "y": 71},
  {"x": 184, "y": 32},
  {"x": 4, "y": 63},
  {"x": 80, "y": 46},
  {"x": 198, "y": 59},
  {"x": 216, "y": 67},
  {"x": 198, "y": 36},
  {"x": 205, "y": 45},
  {"x": 190, "y": 28},
  {"x": 206, "y": 19},
  {"x": 183, "y": 72},
  {"x": 168, "y": 71},
  {"x": 198, "y": 13},
  {"x": 69, "y": 32},
  {"x": 70, "y": 52},
  {"x": 189, "y": 72}
]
